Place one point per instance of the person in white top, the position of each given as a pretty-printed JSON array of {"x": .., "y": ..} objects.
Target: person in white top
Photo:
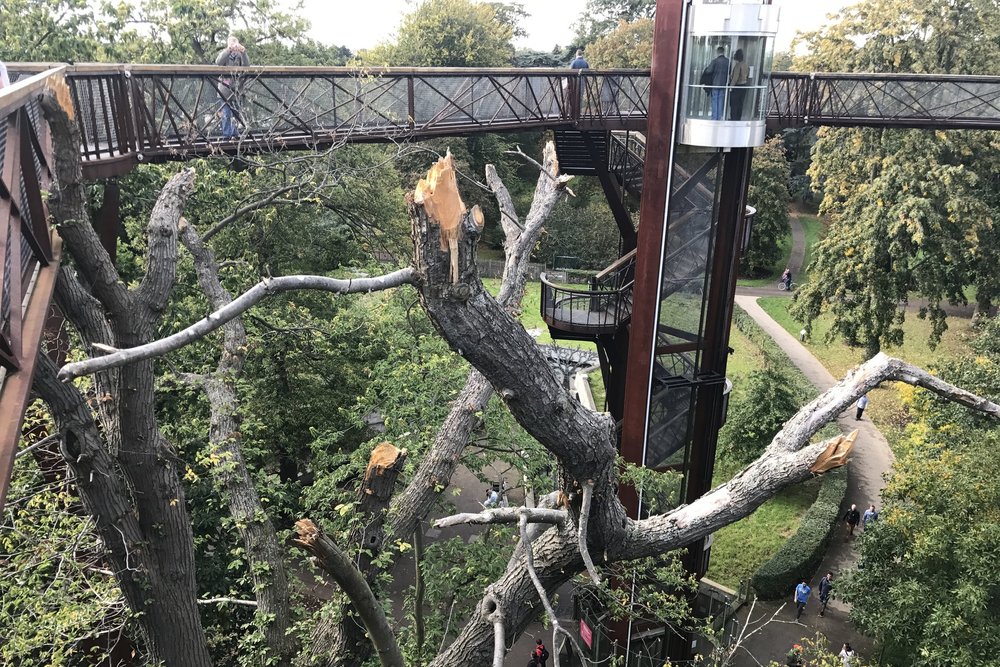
[
  {"x": 4, "y": 79},
  {"x": 847, "y": 655},
  {"x": 862, "y": 404}
]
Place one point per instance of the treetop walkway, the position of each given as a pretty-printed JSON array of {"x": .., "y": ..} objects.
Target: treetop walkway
[{"x": 131, "y": 114}]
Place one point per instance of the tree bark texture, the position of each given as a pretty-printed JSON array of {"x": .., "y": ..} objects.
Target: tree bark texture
[
  {"x": 583, "y": 442},
  {"x": 264, "y": 553},
  {"x": 341, "y": 567},
  {"x": 168, "y": 615},
  {"x": 434, "y": 472}
]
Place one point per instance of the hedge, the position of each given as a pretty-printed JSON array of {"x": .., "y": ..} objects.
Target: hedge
[{"x": 800, "y": 555}]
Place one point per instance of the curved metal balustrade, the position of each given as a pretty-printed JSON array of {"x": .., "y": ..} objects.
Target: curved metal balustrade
[{"x": 599, "y": 310}]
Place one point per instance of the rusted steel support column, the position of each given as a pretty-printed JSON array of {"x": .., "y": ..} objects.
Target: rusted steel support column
[{"x": 664, "y": 94}]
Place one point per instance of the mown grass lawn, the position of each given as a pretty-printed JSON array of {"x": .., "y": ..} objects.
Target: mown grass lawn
[
  {"x": 886, "y": 407},
  {"x": 740, "y": 548}
]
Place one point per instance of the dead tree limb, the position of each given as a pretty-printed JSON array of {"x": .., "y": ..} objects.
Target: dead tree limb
[
  {"x": 260, "y": 541},
  {"x": 341, "y": 567},
  {"x": 588, "y": 495},
  {"x": 266, "y": 288},
  {"x": 505, "y": 515}
]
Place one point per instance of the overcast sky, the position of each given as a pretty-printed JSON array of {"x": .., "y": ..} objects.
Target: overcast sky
[{"x": 358, "y": 24}]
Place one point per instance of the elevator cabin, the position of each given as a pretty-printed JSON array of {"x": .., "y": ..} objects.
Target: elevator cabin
[{"x": 660, "y": 315}]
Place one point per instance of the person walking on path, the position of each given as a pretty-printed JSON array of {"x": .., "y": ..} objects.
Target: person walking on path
[
  {"x": 541, "y": 653},
  {"x": 801, "y": 597},
  {"x": 852, "y": 517},
  {"x": 579, "y": 62},
  {"x": 862, "y": 404},
  {"x": 233, "y": 56},
  {"x": 847, "y": 655},
  {"x": 869, "y": 517},
  {"x": 825, "y": 589}
]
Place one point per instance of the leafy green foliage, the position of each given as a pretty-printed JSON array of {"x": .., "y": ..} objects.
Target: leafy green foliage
[
  {"x": 769, "y": 195},
  {"x": 628, "y": 45},
  {"x": 912, "y": 210},
  {"x": 802, "y": 553},
  {"x": 450, "y": 33},
  {"x": 602, "y": 16},
  {"x": 762, "y": 408},
  {"x": 58, "y": 603},
  {"x": 928, "y": 586}
]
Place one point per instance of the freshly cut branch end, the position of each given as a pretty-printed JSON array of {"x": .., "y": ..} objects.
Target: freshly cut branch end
[
  {"x": 385, "y": 456},
  {"x": 60, "y": 91},
  {"x": 438, "y": 194},
  {"x": 836, "y": 453},
  {"x": 307, "y": 533}
]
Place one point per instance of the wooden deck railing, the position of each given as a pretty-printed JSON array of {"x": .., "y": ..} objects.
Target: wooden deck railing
[{"x": 31, "y": 250}]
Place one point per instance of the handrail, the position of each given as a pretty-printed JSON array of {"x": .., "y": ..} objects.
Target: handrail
[
  {"x": 615, "y": 265},
  {"x": 31, "y": 248}
]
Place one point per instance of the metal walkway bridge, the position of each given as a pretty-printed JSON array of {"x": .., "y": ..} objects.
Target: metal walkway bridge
[
  {"x": 133, "y": 114},
  {"x": 148, "y": 113}
]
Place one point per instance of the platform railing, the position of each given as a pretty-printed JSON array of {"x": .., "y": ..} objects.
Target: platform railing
[
  {"x": 601, "y": 309},
  {"x": 31, "y": 250}
]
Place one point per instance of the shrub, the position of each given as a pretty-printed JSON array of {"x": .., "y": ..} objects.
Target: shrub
[{"x": 802, "y": 553}]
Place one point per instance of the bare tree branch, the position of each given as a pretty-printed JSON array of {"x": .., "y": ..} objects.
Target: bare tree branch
[
  {"x": 244, "y": 603},
  {"x": 161, "y": 254},
  {"x": 266, "y": 288},
  {"x": 505, "y": 515},
  {"x": 529, "y": 563},
  {"x": 340, "y": 566},
  {"x": 588, "y": 495}
]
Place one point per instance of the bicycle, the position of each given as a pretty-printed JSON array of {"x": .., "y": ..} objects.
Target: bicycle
[{"x": 782, "y": 287}]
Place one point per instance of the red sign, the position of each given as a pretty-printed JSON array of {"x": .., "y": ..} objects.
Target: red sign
[{"x": 586, "y": 634}]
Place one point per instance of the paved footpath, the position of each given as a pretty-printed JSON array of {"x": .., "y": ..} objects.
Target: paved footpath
[{"x": 869, "y": 464}]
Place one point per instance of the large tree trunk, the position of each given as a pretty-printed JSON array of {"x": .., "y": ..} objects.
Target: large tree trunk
[{"x": 167, "y": 610}]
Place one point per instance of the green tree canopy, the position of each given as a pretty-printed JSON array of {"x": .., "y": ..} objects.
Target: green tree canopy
[
  {"x": 628, "y": 45},
  {"x": 913, "y": 210},
  {"x": 602, "y": 16},
  {"x": 450, "y": 33},
  {"x": 928, "y": 589},
  {"x": 769, "y": 195}
]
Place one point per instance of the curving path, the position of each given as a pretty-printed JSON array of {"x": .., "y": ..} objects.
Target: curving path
[{"x": 871, "y": 461}]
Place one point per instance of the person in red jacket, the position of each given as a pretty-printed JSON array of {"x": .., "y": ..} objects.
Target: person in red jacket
[{"x": 541, "y": 653}]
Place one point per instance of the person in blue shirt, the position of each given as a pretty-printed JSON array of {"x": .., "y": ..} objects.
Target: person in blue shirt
[
  {"x": 579, "y": 62},
  {"x": 801, "y": 596},
  {"x": 870, "y": 515}
]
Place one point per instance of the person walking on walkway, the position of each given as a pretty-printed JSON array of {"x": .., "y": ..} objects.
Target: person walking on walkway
[
  {"x": 852, "y": 517},
  {"x": 862, "y": 404},
  {"x": 579, "y": 62},
  {"x": 869, "y": 517},
  {"x": 825, "y": 590},
  {"x": 541, "y": 653},
  {"x": 233, "y": 56},
  {"x": 801, "y": 597},
  {"x": 847, "y": 655}
]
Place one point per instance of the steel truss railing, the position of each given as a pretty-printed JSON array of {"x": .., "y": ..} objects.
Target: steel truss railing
[
  {"x": 31, "y": 250},
  {"x": 129, "y": 114},
  {"x": 933, "y": 101},
  {"x": 152, "y": 113}
]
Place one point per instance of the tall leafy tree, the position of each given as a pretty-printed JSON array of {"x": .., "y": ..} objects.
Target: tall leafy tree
[
  {"x": 602, "y": 16},
  {"x": 451, "y": 33},
  {"x": 928, "y": 587},
  {"x": 913, "y": 211},
  {"x": 769, "y": 195},
  {"x": 629, "y": 44}
]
